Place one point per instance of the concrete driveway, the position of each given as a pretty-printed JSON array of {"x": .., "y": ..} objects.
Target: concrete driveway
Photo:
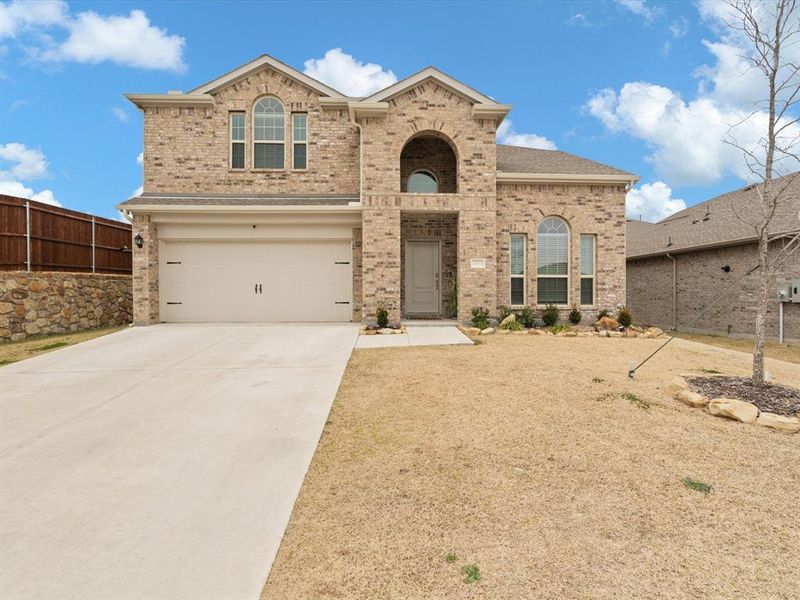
[{"x": 160, "y": 462}]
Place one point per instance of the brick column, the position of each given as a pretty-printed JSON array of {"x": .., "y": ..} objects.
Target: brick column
[
  {"x": 145, "y": 272},
  {"x": 381, "y": 262},
  {"x": 477, "y": 238}
]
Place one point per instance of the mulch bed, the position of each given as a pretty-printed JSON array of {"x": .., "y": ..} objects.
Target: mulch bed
[{"x": 779, "y": 399}]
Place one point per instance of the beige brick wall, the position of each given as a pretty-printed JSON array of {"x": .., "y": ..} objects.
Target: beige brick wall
[
  {"x": 186, "y": 149},
  {"x": 728, "y": 300},
  {"x": 357, "y": 293},
  {"x": 145, "y": 272},
  {"x": 588, "y": 209}
]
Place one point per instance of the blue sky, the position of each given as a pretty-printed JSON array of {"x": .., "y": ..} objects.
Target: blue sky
[{"x": 645, "y": 86}]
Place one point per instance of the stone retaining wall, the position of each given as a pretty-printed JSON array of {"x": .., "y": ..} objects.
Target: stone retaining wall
[{"x": 40, "y": 303}]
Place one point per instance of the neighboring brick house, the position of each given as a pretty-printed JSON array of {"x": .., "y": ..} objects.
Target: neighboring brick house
[
  {"x": 687, "y": 271},
  {"x": 269, "y": 196}
]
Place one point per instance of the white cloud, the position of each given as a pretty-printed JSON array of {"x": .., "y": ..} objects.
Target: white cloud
[
  {"x": 507, "y": 135},
  {"x": 137, "y": 192},
  {"x": 140, "y": 159},
  {"x": 641, "y": 8},
  {"x": 19, "y": 16},
  {"x": 27, "y": 163},
  {"x": 120, "y": 114},
  {"x": 350, "y": 76},
  {"x": 679, "y": 27},
  {"x": 652, "y": 202},
  {"x": 127, "y": 40}
]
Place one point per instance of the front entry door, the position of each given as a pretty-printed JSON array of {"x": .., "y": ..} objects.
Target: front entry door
[{"x": 422, "y": 278}]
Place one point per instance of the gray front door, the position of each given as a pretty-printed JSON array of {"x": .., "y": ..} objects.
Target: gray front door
[{"x": 422, "y": 278}]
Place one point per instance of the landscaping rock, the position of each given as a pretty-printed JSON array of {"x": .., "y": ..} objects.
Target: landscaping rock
[
  {"x": 509, "y": 319},
  {"x": 503, "y": 331},
  {"x": 676, "y": 385},
  {"x": 746, "y": 412},
  {"x": 691, "y": 398},
  {"x": 779, "y": 422},
  {"x": 653, "y": 332},
  {"x": 536, "y": 332},
  {"x": 606, "y": 323},
  {"x": 473, "y": 331},
  {"x": 487, "y": 331}
]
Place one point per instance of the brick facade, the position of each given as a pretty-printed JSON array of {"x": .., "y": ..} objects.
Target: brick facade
[
  {"x": 728, "y": 299},
  {"x": 187, "y": 151}
]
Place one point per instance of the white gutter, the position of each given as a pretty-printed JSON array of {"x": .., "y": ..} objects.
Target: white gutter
[
  {"x": 352, "y": 207},
  {"x": 503, "y": 177},
  {"x": 143, "y": 100}
]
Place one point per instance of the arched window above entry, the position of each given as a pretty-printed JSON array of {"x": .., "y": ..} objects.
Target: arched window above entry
[
  {"x": 552, "y": 262},
  {"x": 268, "y": 134},
  {"x": 422, "y": 181}
]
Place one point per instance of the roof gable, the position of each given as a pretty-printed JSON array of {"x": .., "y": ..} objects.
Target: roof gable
[
  {"x": 430, "y": 73},
  {"x": 265, "y": 60}
]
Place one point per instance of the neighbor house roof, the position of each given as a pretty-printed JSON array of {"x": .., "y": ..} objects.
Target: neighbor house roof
[
  {"x": 714, "y": 223},
  {"x": 261, "y": 200}
]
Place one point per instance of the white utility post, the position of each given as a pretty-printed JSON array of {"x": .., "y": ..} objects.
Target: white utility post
[
  {"x": 28, "y": 234},
  {"x": 93, "y": 245}
]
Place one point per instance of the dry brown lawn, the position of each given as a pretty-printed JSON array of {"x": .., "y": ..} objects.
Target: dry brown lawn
[
  {"x": 789, "y": 352},
  {"x": 11, "y": 352},
  {"x": 521, "y": 456}
]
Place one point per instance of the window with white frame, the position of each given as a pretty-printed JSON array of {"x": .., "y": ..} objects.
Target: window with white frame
[
  {"x": 268, "y": 134},
  {"x": 588, "y": 250},
  {"x": 237, "y": 140},
  {"x": 299, "y": 140},
  {"x": 517, "y": 263},
  {"x": 552, "y": 262}
]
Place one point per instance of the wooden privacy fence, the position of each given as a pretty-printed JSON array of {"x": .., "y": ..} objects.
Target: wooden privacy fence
[{"x": 39, "y": 237}]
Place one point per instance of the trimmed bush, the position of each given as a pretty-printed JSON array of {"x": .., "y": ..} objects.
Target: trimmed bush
[
  {"x": 480, "y": 317},
  {"x": 550, "y": 315},
  {"x": 575, "y": 315},
  {"x": 512, "y": 326},
  {"x": 502, "y": 312},
  {"x": 602, "y": 313},
  {"x": 527, "y": 317},
  {"x": 625, "y": 319},
  {"x": 382, "y": 316}
]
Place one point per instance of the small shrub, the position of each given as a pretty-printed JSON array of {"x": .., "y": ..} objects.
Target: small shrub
[
  {"x": 550, "y": 315},
  {"x": 512, "y": 326},
  {"x": 451, "y": 558},
  {"x": 574, "y": 315},
  {"x": 503, "y": 311},
  {"x": 636, "y": 401},
  {"x": 452, "y": 302},
  {"x": 480, "y": 317},
  {"x": 697, "y": 486},
  {"x": 471, "y": 573},
  {"x": 602, "y": 313},
  {"x": 625, "y": 319},
  {"x": 527, "y": 317},
  {"x": 711, "y": 371},
  {"x": 382, "y": 316},
  {"x": 52, "y": 346},
  {"x": 559, "y": 327}
]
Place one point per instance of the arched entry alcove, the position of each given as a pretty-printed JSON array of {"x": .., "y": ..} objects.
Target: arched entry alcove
[{"x": 429, "y": 165}]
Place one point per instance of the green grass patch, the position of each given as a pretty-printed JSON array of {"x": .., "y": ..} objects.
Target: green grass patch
[
  {"x": 711, "y": 371},
  {"x": 697, "y": 486},
  {"x": 559, "y": 327},
  {"x": 52, "y": 346},
  {"x": 471, "y": 573},
  {"x": 636, "y": 401},
  {"x": 6, "y": 361},
  {"x": 451, "y": 558}
]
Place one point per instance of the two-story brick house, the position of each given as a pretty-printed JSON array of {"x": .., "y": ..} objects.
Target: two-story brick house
[{"x": 269, "y": 196}]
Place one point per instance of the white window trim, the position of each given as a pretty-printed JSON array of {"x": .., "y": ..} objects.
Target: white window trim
[
  {"x": 304, "y": 142},
  {"x": 593, "y": 276},
  {"x": 271, "y": 142},
  {"x": 569, "y": 262},
  {"x": 232, "y": 141},
  {"x": 524, "y": 275},
  {"x": 427, "y": 172}
]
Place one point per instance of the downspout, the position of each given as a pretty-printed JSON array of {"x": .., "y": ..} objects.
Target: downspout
[
  {"x": 674, "y": 291},
  {"x": 360, "y": 153}
]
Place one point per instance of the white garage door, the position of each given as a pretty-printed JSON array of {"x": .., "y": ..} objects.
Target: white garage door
[{"x": 258, "y": 281}]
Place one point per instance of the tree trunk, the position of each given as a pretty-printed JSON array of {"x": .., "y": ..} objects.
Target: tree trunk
[{"x": 761, "y": 309}]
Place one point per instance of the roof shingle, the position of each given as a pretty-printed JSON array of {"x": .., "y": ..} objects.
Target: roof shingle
[{"x": 516, "y": 159}]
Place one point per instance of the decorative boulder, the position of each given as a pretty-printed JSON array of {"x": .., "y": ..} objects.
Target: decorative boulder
[
  {"x": 676, "y": 385},
  {"x": 505, "y": 322},
  {"x": 653, "y": 332},
  {"x": 606, "y": 323},
  {"x": 487, "y": 331},
  {"x": 746, "y": 412},
  {"x": 691, "y": 398},
  {"x": 473, "y": 331},
  {"x": 779, "y": 422}
]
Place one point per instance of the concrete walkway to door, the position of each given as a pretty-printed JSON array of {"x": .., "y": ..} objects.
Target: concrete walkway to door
[{"x": 160, "y": 462}]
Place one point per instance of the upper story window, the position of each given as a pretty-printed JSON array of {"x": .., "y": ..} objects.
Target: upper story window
[
  {"x": 237, "y": 140},
  {"x": 552, "y": 262},
  {"x": 422, "y": 182},
  {"x": 299, "y": 141},
  {"x": 268, "y": 134}
]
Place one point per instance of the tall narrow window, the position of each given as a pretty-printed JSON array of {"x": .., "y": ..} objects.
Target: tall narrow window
[
  {"x": 268, "y": 134},
  {"x": 237, "y": 140},
  {"x": 299, "y": 140},
  {"x": 552, "y": 262},
  {"x": 587, "y": 269},
  {"x": 517, "y": 260}
]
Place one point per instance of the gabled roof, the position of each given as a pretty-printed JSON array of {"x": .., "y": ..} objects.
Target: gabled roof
[
  {"x": 265, "y": 59},
  {"x": 517, "y": 159},
  {"x": 424, "y": 74},
  {"x": 714, "y": 223}
]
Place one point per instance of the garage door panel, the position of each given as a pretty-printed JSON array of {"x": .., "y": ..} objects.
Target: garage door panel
[{"x": 216, "y": 281}]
